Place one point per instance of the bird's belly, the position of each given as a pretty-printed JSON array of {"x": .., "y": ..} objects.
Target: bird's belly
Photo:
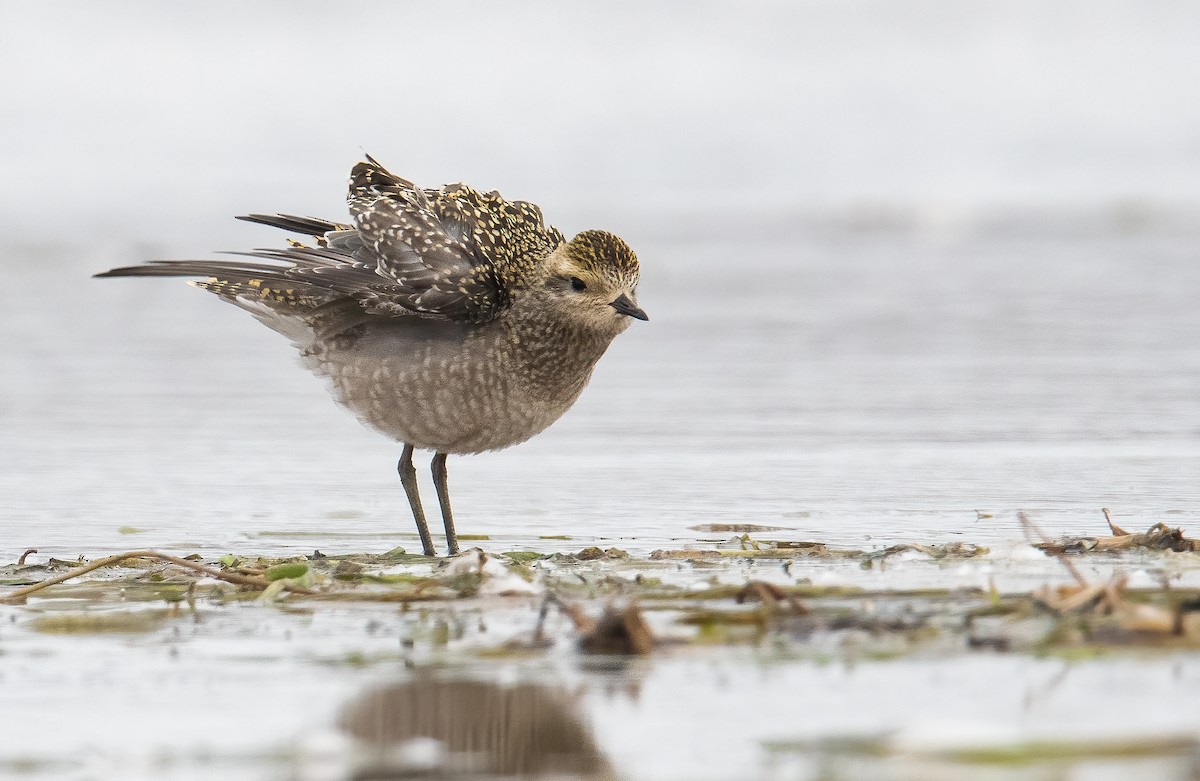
[{"x": 454, "y": 403}]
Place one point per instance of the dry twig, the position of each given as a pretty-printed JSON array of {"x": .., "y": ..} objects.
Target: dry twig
[
  {"x": 1031, "y": 530},
  {"x": 1116, "y": 530},
  {"x": 772, "y": 597},
  {"x": 230, "y": 577},
  {"x": 617, "y": 631}
]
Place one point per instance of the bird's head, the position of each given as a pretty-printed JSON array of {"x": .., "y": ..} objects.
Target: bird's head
[{"x": 592, "y": 279}]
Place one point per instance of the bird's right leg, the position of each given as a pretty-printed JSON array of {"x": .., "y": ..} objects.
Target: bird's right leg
[
  {"x": 439, "y": 482},
  {"x": 408, "y": 476}
]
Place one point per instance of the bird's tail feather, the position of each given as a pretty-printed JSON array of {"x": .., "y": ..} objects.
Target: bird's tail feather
[
  {"x": 260, "y": 288},
  {"x": 295, "y": 290}
]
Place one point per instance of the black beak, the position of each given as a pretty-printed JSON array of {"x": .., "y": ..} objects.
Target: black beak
[{"x": 627, "y": 307}]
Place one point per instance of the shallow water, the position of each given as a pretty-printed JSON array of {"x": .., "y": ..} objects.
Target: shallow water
[
  {"x": 869, "y": 388},
  {"x": 254, "y": 690},
  {"x": 859, "y": 388},
  {"x": 910, "y": 269}
]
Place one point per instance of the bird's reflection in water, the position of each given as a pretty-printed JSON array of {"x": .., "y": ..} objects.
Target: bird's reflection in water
[{"x": 471, "y": 729}]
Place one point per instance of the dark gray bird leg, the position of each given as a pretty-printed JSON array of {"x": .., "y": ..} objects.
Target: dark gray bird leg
[
  {"x": 443, "y": 492},
  {"x": 408, "y": 476}
]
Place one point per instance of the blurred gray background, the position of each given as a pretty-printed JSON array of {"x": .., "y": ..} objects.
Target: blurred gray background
[
  {"x": 150, "y": 122},
  {"x": 903, "y": 261}
]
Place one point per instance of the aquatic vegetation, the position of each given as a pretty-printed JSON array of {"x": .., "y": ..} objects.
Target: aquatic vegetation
[{"x": 607, "y": 594}]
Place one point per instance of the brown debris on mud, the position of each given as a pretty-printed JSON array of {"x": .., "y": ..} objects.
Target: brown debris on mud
[
  {"x": 750, "y": 548},
  {"x": 1108, "y": 613},
  {"x": 1160, "y": 536},
  {"x": 739, "y": 591}
]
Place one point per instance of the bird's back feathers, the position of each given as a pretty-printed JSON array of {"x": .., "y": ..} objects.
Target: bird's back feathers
[
  {"x": 454, "y": 252},
  {"x": 450, "y": 253}
]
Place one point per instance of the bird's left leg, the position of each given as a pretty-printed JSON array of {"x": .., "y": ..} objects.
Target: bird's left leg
[
  {"x": 408, "y": 477},
  {"x": 443, "y": 492}
]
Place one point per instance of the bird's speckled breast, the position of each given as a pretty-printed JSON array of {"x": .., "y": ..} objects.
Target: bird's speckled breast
[{"x": 454, "y": 388}]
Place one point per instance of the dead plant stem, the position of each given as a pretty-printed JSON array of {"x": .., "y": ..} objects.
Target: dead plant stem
[{"x": 230, "y": 577}]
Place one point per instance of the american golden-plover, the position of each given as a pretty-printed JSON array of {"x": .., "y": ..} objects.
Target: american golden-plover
[{"x": 450, "y": 320}]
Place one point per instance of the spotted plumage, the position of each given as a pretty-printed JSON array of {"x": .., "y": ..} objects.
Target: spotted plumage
[
  {"x": 453, "y": 251},
  {"x": 448, "y": 319}
]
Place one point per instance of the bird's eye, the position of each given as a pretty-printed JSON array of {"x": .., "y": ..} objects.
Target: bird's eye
[{"x": 578, "y": 285}]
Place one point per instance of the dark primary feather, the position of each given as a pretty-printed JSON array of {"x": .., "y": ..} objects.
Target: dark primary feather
[
  {"x": 309, "y": 226},
  {"x": 451, "y": 253}
]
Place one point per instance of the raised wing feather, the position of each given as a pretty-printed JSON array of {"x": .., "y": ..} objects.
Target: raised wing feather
[
  {"x": 449, "y": 253},
  {"x": 452, "y": 252}
]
